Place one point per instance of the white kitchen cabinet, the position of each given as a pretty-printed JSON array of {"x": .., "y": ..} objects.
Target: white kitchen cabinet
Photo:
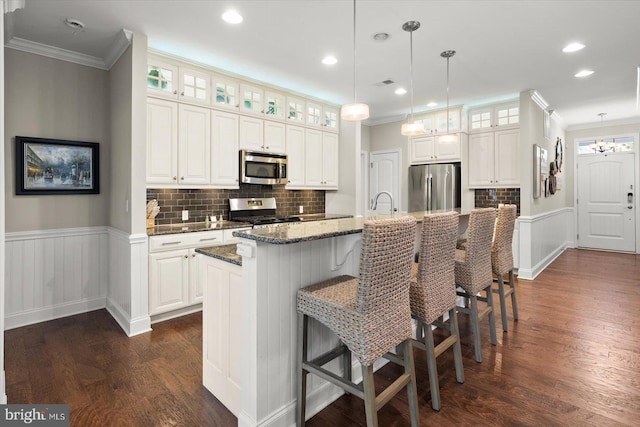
[
  {"x": 331, "y": 118},
  {"x": 275, "y": 105},
  {"x": 321, "y": 159},
  {"x": 162, "y": 78},
  {"x": 493, "y": 159},
  {"x": 251, "y": 133},
  {"x": 251, "y": 99},
  {"x": 435, "y": 122},
  {"x": 296, "y": 110},
  {"x": 226, "y": 92},
  {"x": 178, "y": 143},
  {"x": 274, "y": 137},
  {"x": 499, "y": 116},
  {"x": 162, "y": 141},
  {"x": 222, "y": 336},
  {"x": 295, "y": 156},
  {"x": 314, "y": 114},
  {"x": 429, "y": 149},
  {"x": 169, "y": 281},
  {"x": 224, "y": 149},
  {"x": 194, "y": 144},
  {"x": 194, "y": 86},
  {"x": 175, "y": 280}
]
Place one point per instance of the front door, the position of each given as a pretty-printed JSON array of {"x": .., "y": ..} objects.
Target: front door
[
  {"x": 606, "y": 202},
  {"x": 384, "y": 177}
]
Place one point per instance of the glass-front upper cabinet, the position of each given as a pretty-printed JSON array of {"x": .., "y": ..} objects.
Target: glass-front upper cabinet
[
  {"x": 194, "y": 86},
  {"x": 295, "y": 110},
  {"x": 162, "y": 79},
  {"x": 507, "y": 115},
  {"x": 274, "y": 105},
  {"x": 252, "y": 99},
  {"x": 226, "y": 92},
  {"x": 440, "y": 119},
  {"x": 494, "y": 116},
  {"x": 314, "y": 114},
  {"x": 331, "y": 115},
  {"x": 481, "y": 119}
]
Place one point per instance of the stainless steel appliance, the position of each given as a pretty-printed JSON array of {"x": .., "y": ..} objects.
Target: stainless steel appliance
[
  {"x": 263, "y": 168},
  {"x": 257, "y": 211},
  {"x": 434, "y": 187}
]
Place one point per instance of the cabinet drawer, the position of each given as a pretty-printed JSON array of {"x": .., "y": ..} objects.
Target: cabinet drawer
[
  {"x": 228, "y": 235},
  {"x": 185, "y": 240}
]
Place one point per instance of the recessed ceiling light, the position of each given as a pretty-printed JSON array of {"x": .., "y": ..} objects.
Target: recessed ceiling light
[
  {"x": 400, "y": 91},
  {"x": 381, "y": 36},
  {"x": 232, "y": 17},
  {"x": 432, "y": 104},
  {"x": 74, "y": 23},
  {"x": 573, "y": 47},
  {"x": 584, "y": 73},
  {"x": 329, "y": 60}
]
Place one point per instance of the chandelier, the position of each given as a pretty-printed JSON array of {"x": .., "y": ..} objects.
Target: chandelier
[{"x": 602, "y": 146}]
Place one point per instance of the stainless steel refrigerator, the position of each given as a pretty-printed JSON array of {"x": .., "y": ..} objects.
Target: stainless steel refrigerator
[{"x": 434, "y": 187}]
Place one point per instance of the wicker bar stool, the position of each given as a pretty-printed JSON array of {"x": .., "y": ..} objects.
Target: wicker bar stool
[
  {"x": 474, "y": 274},
  {"x": 433, "y": 293},
  {"x": 370, "y": 314},
  {"x": 502, "y": 260}
]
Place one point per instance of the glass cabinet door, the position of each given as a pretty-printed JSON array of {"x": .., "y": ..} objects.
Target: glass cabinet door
[
  {"x": 295, "y": 110},
  {"x": 330, "y": 117},
  {"x": 314, "y": 114},
  {"x": 252, "y": 99},
  {"x": 275, "y": 105},
  {"x": 226, "y": 93},
  {"x": 194, "y": 86},
  {"x": 480, "y": 119},
  {"x": 507, "y": 115},
  {"x": 161, "y": 79}
]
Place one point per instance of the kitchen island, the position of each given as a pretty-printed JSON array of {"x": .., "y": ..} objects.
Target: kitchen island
[{"x": 277, "y": 261}]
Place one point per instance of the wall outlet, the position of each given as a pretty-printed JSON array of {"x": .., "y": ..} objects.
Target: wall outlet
[
  {"x": 300, "y": 209},
  {"x": 185, "y": 215}
]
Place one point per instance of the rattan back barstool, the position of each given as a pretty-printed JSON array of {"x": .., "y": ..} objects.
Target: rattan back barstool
[
  {"x": 433, "y": 293},
  {"x": 502, "y": 260},
  {"x": 474, "y": 274},
  {"x": 370, "y": 314}
]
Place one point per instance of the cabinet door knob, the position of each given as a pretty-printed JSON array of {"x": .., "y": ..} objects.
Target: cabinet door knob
[
  {"x": 175, "y": 178},
  {"x": 182, "y": 178},
  {"x": 267, "y": 147},
  {"x": 175, "y": 92},
  {"x": 186, "y": 256},
  {"x": 262, "y": 111},
  {"x": 236, "y": 179},
  {"x": 181, "y": 93},
  {"x": 193, "y": 255}
]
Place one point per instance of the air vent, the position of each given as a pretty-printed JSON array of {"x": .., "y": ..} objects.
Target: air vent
[
  {"x": 384, "y": 83},
  {"x": 74, "y": 23}
]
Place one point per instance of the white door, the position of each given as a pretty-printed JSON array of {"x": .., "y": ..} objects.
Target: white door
[
  {"x": 606, "y": 202},
  {"x": 384, "y": 176}
]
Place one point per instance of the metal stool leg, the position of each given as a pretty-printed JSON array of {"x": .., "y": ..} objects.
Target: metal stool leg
[
  {"x": 503, "y": 303},
  {"x": 514, "y": 303},
  {"x": 457, "y": 348},
  {"x": 303, "y": 322},
  {"x": 432, "y": 367}
]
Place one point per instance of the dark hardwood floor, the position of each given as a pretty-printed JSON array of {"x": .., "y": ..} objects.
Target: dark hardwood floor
[{"x": 573, "y": 359}]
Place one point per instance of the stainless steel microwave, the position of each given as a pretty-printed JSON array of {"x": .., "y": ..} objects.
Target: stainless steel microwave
[{"x": 257, "y": 167}]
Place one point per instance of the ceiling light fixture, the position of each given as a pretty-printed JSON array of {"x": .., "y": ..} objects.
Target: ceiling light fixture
[
  {"x": 355, "y": 111},
  {"x": 573, "y": 47},
  {"x": 400, "y": 91},
  {"x": 380, "y": 37},
  {"x": 602, "y": 146},
  {"x": 329, "y": 60},
  {"x": 432, "y": 104},
  {"x": 232, "y": 17},
  {"x": 411, "y": 128},
  {"x": 584, "y": 73},
  {"x": 449, "y": 138}
]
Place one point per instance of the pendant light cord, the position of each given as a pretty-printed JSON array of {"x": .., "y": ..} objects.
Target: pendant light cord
[
  {"x": 448, "y": 94},
  {"x": 411, "y": 69},
  {"x": 354, "y": 52}
]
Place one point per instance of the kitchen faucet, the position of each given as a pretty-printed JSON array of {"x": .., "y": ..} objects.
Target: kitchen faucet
[{"x": 374, "y": 204}]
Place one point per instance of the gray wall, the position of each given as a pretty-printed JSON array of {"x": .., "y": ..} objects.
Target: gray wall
[
  {"x": 48, "y": 98},
  {"x": 387, "y": 137},
  {"x": 120, "y": 93}
]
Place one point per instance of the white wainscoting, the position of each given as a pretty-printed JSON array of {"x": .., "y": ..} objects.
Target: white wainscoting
[
  {"x": 542, "y": 238},
  {"x": 127, "y": 298},
  {"x": 55, "y": 273}
]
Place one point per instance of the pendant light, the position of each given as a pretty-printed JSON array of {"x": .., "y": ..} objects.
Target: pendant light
[
  {"x": 411, "y": 128},
  {"x": 355, "y": 111},
  {"x": 602, "y": 146},
  {"x": 448, "y": 138}
]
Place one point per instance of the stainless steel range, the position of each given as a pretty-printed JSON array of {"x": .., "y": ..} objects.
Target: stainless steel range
[{"x": 257, "y": 211}]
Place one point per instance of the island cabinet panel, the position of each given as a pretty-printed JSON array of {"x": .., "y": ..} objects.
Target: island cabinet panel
[{"x": 221, "y": 331}]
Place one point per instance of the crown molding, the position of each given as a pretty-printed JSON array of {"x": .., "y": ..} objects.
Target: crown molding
[
  {"x": 11, "y": 5},
  {"x": 609, "y": 123},
  {"x": 56, "y": 53},
  {"x": 123, "y": 40},
  {"x": 122, "y": 43}
]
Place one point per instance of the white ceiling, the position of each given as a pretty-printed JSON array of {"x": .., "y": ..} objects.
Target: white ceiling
[{"x": 503, "y": 47}]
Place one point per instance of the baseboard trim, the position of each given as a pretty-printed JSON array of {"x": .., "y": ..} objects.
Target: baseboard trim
[
  {"x": 131, "y": 327},
  {"x": 530, "y": 274},
  {"x": 176, "y": 313},
  {"x": 53, "y": 312}
]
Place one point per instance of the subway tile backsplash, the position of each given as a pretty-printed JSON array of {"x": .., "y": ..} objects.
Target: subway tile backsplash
[
  {"x": 201, "y": 202},
  {"x": 491, "y": 197}
]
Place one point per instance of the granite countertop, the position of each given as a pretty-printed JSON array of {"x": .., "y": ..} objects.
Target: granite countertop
[
  {"x": 191, "y": 227},
  {"x": 281, "y": 234},
  {"x": 224, "y": 252}
]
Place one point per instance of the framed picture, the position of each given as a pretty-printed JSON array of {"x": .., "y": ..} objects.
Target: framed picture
[
  {"x": 536, "y": 171},
  {"x": 53, "y": 166}
]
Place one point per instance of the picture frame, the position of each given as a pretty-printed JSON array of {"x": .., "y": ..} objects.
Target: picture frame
[
  {"x": 536, "y": 171},
  {"x": 53, "y": 166}
]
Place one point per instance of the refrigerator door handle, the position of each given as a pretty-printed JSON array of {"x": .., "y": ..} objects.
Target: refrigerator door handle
[
  {"x": 444, "y": 187},
  {"x": 429, "y": 191}
]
